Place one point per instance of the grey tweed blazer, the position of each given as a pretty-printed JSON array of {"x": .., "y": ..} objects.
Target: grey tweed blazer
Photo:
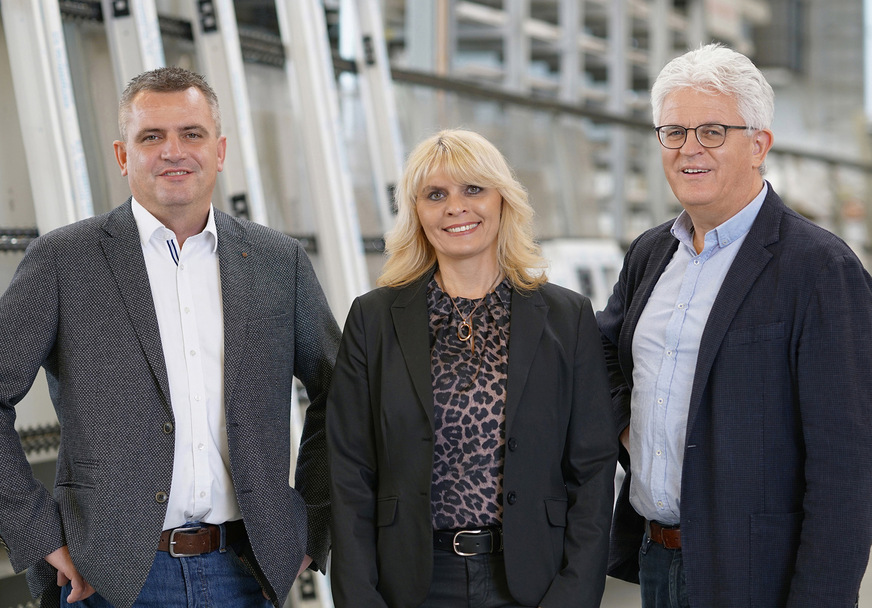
[{"x": 80, "y": 306}]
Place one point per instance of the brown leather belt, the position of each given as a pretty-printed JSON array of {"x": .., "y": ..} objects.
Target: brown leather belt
[
  {"x": 197, "y": 540},
  {"x": 669, "y": 537}
]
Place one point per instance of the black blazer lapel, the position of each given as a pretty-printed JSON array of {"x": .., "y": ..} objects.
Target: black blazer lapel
[
  {"x": 236, "y": 263},
  {"x": 123, "y": 252},
  {"x": 529, "y": 312},
  {"x": 411, "y": 324}
]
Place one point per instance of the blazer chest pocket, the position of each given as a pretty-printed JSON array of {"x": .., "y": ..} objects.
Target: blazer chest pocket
[
  {"x": 770, "y": 332},
  {"x": 385, "y": 511},
  {"x": 80, "y": 475}
]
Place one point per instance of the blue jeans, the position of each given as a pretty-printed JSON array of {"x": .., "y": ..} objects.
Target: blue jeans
[
  {"x": 203, "y": 581},
  {"x": 661, "y": 576}
]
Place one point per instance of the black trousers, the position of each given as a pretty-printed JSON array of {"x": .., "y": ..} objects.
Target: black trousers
[{"x": 478, "y": 581}]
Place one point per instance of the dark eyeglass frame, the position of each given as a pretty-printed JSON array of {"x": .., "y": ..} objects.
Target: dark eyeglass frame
[{"x": 696, "y": 132}]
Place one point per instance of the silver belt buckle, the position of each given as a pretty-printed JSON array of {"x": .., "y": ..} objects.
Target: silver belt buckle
[
  {"x": 173, "y": 540},
  {"x": 456, "y": 542}
]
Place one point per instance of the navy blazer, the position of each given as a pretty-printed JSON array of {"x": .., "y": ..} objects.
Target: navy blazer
[
  {"x": 776, "y": 491},
  {"x": 559, "y": 466}
]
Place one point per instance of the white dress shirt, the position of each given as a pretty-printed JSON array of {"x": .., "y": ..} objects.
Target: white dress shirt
[{"x": 186, "y": 289}]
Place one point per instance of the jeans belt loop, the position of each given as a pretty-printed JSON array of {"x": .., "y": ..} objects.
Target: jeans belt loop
[{"x": 222, "y": 546}]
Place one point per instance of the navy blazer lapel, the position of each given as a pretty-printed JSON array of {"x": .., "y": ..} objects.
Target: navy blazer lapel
[
  {"x": 123, "y": 251},
  {"x": 750, "y": 261},
  {"x": 529, "y": 312},
  {"x": 661, "y": 254},
  {"x": 235, "y": 262},
  {"x": 412, "y": 326}
]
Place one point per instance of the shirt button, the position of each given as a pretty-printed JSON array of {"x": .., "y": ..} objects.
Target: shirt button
[
  {"x": 201, "y": 447},
  {"x": 161, "y": 497},
  {"x": 513, "y": 444},
  {"x": 659, "y": 452},
  {"x": 187, "y": 310},
  {"x": 196, "y": 397},
  {"x": 668, "y": 353},
  {"x": 660, "y": 503},
  {"x": 696, "y": 262},
  {"x": 202, "y": 495},
  {"x": 193, "y": 353},
  {"x": 168, "y": 427},
  {"x": 181, "y": 266},
  {"x": 512, "y": 497},
  {"x": 681, "y": 306},
  {"x": 660, "y": 401}
]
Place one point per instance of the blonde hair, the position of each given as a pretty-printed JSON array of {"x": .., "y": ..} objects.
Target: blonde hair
[{"x": 467, "y": 158}]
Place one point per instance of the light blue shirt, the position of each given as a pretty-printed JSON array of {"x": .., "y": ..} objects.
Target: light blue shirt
[{"x": 665, "y": 348}]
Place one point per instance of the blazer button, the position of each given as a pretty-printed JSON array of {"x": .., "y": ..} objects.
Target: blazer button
[
  {"x": 161, "y": 497},
  {"x": 168, "y": 427},
  {"x": 512, "y": 497},
  {"x": 513, "y": 444}
]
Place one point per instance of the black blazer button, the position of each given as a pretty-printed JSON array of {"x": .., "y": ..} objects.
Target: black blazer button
[
  {"x": 168, "y": 427},
  {"x": 513, "y": 444},
  {"x": 161, "y": 497},
  {"x": 512, "y": 497}
]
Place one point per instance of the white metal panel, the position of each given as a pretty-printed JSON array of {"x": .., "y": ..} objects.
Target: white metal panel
[
  {"x": 314, "y": 95},
  {"x": 361, "y": 21},
  {"x": 47, "y": 111},
  {"x": 133, "y": 33}
]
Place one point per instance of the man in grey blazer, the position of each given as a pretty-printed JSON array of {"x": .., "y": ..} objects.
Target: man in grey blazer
[
  {"x": 739, "y": 347},
  {"x": 170, "y": 334}
]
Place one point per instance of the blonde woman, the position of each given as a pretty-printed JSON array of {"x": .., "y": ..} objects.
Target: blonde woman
[{"x": 470, "y": 435}]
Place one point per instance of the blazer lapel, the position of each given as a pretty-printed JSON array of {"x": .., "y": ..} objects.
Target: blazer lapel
[
  {"x": 235, "y": 260},
  {"x": 529, "y": 312},
  {"x": 750, "y": 261},
  {"x": 123, "y": 251},
  {"x": 656, "y": 264},
  {"x": 411, "y": 324}
]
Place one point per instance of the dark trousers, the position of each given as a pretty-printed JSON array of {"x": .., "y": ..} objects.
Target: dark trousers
[
  {"x": 478, "y": 581},
  {"x": 661, "y": 576}
]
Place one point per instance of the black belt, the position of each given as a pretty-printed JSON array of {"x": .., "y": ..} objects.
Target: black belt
[{"x": 470, "y": 542}]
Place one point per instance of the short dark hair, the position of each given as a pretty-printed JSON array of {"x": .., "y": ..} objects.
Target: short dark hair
[{"x": 165, "y": 80}]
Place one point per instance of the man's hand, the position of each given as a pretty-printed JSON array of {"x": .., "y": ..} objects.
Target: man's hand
[
  {"x": 306, "y": 561},
  {"x": 67, "y": 573}
]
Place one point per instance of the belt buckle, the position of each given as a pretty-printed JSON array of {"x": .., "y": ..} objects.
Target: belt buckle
[
  {"x": 173, "y": 540},
  {"x": 455, "y": 542}
]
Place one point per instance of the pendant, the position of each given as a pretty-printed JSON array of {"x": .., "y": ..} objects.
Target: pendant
[{"x": 464, "y": 331}]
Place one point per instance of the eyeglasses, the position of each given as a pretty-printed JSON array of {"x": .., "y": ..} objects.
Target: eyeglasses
[{"x": 708, "y": 136}]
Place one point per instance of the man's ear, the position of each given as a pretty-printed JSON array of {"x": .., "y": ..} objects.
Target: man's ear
[
  {"x": 121, "y": 155},
  {"x": 762, "y": 143}
]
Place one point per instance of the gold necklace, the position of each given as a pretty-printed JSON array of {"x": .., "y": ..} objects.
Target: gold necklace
[{"x": 465, "y": 330}]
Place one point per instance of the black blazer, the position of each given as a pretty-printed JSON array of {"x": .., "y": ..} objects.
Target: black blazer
[
  {"x": 559, "y": 465},
  {"x": 776, "y": 494}
]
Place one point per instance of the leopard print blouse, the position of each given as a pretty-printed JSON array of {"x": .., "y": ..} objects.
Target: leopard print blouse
[{"x": 469, "y": 398}]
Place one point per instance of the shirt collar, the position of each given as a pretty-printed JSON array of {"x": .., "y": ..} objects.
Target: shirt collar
[
  {"x": 149, "y": 226},
  {"x": 729, "y": 232}
]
